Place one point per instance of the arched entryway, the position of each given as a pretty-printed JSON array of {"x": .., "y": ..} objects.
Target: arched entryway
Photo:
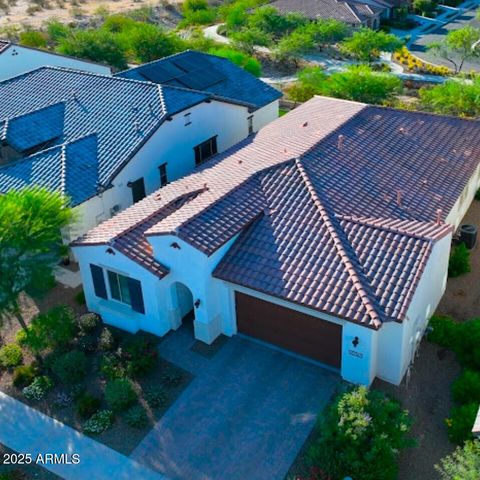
[{"x": 183, "y": 302}]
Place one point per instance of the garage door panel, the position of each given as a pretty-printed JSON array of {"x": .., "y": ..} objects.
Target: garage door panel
[{"x": 289, "y": 329}]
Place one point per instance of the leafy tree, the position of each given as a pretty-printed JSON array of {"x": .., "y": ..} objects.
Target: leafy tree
[
  {"x": 149, "y": 43},
  {"x": 247, "y": 39},
  {"x": 366, "y": 44},
  {"x": 268, "y": 20},
  {"x": 452, "y": 98},
  {"x": 327, "y": 32},
  {"x": 361, "y": 435},
  {"x": 33, "y": 38},
  {"x": 424, "y": 7},
  {"x": 358, "y": 83},
  {"x": 96, "y": 45},
  {"x": 57, "y": 31},
  {"x": 30, "y": 243},
  {"x": 462, "y": 464},
  {"x": 295, "y": 44},
  {"x": 235, "y": 15},
  {"x": 459, "y": 45},
  {"x": 248, "y": 63},
  {"x": 119, "y": 24},
  {"x": 198, "y": 12}
]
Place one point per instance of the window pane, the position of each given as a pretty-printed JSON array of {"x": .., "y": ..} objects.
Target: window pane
[
  {"x": 114, "y": 288},
  {"x": 124, "y": 290}
]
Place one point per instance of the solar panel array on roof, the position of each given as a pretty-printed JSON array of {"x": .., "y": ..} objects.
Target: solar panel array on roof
[
  {"x": 187, "y": 63},
  {"x": 161, "y": 74},
  {"x": 201, "y": 79}
]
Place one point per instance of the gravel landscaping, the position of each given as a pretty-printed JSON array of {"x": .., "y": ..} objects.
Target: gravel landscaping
[{"x": 135, "y": 387}]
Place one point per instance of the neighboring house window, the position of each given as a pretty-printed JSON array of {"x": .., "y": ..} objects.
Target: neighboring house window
[
  {"x": 250, "y": 124},
  {"x": 119, "y": 287},
  {"x": 163, "y": 174},
  {"x": 188, "y": 119},
  {"x": 138, "y": 189},
  {"x": 205, "y": 150}
]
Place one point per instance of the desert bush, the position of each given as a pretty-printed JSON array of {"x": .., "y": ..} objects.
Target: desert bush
[
  {"x": 51, "y": 330},
  {"x": 33, "y": 38},
  {"x": 87, "y": 343},
  {"x": 112, "y": 367},
  {"x": 361, "y": 435},
  {"x": 87, "y": 404},
  {"x": 467, "y": 341},
  {"x": 461, "y": 421},
  {"x": 119, "y": 394},
  {"x": 155, "y": 397},
  {"x": 11, "y": 355},
  {"x": 24, "y": 375},
  {"x": 141, "y": 356},
  {"x": 466, "y": 388},
  {"x": 136, "y": 417},
  {"x": 71, "y": 367},
  {"x": 459, "y": 262},
  {"x": 99, "y": 422},
  {"x": 38, "y": 389},
  {"x": 462, "y": 464},
  {"x": 88, "y": 322},
  {"x": 106, "y": 341},
  {"x": 443, "y": 331}
]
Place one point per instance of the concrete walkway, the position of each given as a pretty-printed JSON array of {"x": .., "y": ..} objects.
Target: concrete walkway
[
  {"x": 26, "y": 430},
  {"x": 245, "y": 415}
]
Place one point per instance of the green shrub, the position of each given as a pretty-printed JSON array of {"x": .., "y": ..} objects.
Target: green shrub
[
  {"x": 98, "y": 422},
  {"x": 467, "y": 342},
  {"x": 11, "y": 355},
  {"x": 141, "y": 355},
  {"x": 120, "y": 394},
  {"x": 443, "y": 331},
  {"x": 52, "y": 330},
  {"x": 80, "y": 298},
  {"x": 71, "y": 367},
  {"x": 87, "y": 404},
  {"x": 112, "y": 367},
  {"x": 106, "y": 341},
  {"x": 459, "y": 261},
  {"x": 361, "y": 435},
  {"x": 461, "y": 422},
  {"x": 88, "y": 322},
  {"x": 462, "y": 464},
  {"x": 136, "y": 417},
  {"x": 466, "y": 388},
  {"x": 24, "y": 375},
  {"x": 155, "y": 397},
  {"x": 38, "y": 388},
  {"x": 87, "y": 343},
  {"x": 33, "y": 38}
]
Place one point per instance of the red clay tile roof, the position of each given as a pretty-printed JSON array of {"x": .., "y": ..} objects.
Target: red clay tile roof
[{"x": 358, "y": 188}]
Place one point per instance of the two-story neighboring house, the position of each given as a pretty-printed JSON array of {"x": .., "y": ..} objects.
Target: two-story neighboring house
[
  {"x": 17, "y": 59},
  {"x": 198, "y": 71},
  {"x": 327, "y": 234},
  {"x": 107, "y": 142}
]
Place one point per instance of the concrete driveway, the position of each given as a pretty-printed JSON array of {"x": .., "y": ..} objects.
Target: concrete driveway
[{"x": 245, "y": 415}]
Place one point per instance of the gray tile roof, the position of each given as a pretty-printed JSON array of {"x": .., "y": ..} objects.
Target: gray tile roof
[
  {"x": 204, "y": 72},
  {"x": 3, "y": 45},
  {"x": 336, "y": 205},
  {"x": 56, "y": 107},
  {"x": 349, "y": 11}
]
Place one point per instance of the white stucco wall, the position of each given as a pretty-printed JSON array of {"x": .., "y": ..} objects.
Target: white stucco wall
[
  {"x": 173, "y": 144},
  {"x": 464, "y": 201},
  {"x": 397, "y": 342},
  {"x": 17, "y": 60},
  {"x": 116, "y": 313}
]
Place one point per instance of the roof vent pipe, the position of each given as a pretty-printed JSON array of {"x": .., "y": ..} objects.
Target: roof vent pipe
[
  {"x": 399, "y": 198},
  {"x": 341, "y": 139},
  {"x": 439, "y": 216}
]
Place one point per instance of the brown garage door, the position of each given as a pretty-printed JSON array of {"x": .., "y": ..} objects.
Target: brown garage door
[{"x": 289, "y": 329}]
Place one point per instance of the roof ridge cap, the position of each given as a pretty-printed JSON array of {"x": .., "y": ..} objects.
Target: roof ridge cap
[{"x": 351, "y": 270}]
